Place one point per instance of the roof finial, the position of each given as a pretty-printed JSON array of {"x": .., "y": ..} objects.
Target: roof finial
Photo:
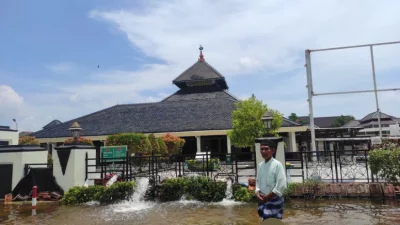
[{"x": 201, "y": 59}]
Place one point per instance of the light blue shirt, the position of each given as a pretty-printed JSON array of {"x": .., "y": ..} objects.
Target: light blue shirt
[{"x": 271, "y": 177}]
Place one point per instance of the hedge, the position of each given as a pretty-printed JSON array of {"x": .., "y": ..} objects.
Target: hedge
[
  {"x": 116, "y": 192},
  {"x": 198, "y": 188}
]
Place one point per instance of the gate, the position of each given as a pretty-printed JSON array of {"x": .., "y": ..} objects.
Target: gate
[{"x": 6, "y": 175}]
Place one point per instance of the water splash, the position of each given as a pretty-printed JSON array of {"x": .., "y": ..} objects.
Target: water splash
[
  {"x": 136, "y": 202},
  {"x": 228, "y": 201},
  {"x": 112, "y": 180}
]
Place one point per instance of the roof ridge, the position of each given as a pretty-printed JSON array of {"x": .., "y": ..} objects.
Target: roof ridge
[
  {"x": 230, "y": 94},
  {"x": 166, "y": 102}
]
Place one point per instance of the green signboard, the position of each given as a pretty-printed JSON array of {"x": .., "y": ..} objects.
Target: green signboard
[{"x": 114, "y": 153}]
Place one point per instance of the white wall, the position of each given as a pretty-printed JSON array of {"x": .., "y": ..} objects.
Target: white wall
[
  {"x": 10, "y": 136},
  {"x": 19, "y": 159},
  {"x": 76, "y": 167}
]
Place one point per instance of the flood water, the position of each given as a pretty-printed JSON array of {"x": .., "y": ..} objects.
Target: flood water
[
  {"x": 140, "y": 212},
  {"x": 191, "y": 212}
]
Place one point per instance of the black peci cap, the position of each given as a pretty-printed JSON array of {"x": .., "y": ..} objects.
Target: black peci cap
[{"x": 271, "y": 143}]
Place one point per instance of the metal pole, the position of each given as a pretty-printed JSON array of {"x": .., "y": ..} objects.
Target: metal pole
[
  {"x": 310, "y": 95},
  {"x": 375, "y": 90},
  {"x": 355, "y": 92},
  {"x": 354, "y": 46}
]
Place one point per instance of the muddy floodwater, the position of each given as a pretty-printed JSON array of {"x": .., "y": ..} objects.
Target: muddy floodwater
[{"x": 190, "y": 212}]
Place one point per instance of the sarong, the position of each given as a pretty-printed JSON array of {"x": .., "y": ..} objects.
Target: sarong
[{"x": 271, "y": 209}]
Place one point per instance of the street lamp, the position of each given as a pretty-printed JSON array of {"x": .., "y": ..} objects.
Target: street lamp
[
  {"x": 75, "y": 129},
  {"x": 267, "y": 120},
  {"x": 15, "y": 121}
]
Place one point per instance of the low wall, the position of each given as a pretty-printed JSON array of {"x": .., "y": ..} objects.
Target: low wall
[{"x": 367, "y": 190}]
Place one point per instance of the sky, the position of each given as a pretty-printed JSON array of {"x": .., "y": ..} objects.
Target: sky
[{"x": 65, "y": 59}]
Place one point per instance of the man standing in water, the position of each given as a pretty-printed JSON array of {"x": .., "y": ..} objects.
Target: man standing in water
[{"x": 270, "y": 183}]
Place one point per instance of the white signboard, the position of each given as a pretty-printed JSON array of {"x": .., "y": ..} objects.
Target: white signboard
[{"x": 376, "y": 140}]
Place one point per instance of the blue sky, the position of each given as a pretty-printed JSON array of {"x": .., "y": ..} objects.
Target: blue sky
[{"x": 51, "y": 49}]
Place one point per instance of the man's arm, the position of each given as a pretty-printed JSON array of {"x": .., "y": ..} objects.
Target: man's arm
[
  {"x": 258, "y": 179},
  {"x": 281, "y": 184},
  {"x": 258, "y": 184}
]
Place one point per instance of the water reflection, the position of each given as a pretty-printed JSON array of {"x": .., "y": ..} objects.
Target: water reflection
[{"x": 191, "y": 212}]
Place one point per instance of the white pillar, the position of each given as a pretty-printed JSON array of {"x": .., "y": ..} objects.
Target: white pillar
[
  {"x": 280, "y": 154},
  {"x": 292, "y": 142},
  {"x": 75, "y": 170},
  {"x": 198, "y": 142},
  {"x": 228, "y": 142}
]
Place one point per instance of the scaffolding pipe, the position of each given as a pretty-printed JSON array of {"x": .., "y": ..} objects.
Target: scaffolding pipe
[
  {"x": 375, "y": 90},
  {"x": 355, "y": 92},
  {"x": 354, "y": 46},
  {"x": 311, "y": 90},
  {"x": 310, "y": 95}
]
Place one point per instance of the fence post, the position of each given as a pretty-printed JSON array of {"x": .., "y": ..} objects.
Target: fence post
[
  {"x": 335, "y": 156},
  {"x": 207, "y": 163},
  {"x": 86, "y": 166},
  {"x": 237, "y": 170},
  {"x": 101, "y": 167},
  {"x": 127, "y": 165},
  {"x": 302, "y": 165}
]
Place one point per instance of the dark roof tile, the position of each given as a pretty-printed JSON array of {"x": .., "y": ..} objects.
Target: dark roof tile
[{"x": 200, "y": 70}]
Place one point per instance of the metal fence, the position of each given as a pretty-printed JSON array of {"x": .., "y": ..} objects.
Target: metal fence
[
  {"x": 335, "y": 166},
  {"x": 235, "y": 166}
]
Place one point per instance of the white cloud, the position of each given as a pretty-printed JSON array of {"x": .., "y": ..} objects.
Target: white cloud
[
  {"x": 9, "y": 98},
  {"x": 61, "y": 67},
  {"x": 265, "y": 38},
  {"x": 11, "y": 104}
]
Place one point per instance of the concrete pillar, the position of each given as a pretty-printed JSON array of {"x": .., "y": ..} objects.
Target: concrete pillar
[
  {"x": 198, "y": 142},
  {"x": 228, "y": 142},
  {"x": 292, "y": 142},
  {"x": 69, "y": 166}
]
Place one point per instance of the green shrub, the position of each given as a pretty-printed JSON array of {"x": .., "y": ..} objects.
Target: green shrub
[
  {"x": 136, "y": 142},
  {"x": 199, "y": 165},
  {"x": 385, "y": 164},
  {"x": 155, "y": 146},
  {"x": 163, "y": 147},
  {"x": 199, "y": 188},
  {"x": 242, "y": 194},
  {"x": 290, "y": 190},
  {"x": 117, "y": 192}
]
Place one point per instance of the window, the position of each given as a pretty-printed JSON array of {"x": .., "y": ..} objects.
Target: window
[{"x": 4, "y": 143}]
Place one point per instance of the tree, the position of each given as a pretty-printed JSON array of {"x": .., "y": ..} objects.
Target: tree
[
  {"x": 173, "y": 143},
  {"x": 277, "y": 120},
  {"x": 247, "y": 124},
  {"x": 342, "y": 120},
  {"x": 163, "y": 146},
  {"x": 293, "y": 117},
  {"x": 154, "y": 144},
  {"x": 28, "y": 140}
]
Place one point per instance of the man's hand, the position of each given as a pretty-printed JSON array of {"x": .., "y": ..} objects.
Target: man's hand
[
  {"x": 259, "y": 197},
  {"x": 266, "y": 198}
]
